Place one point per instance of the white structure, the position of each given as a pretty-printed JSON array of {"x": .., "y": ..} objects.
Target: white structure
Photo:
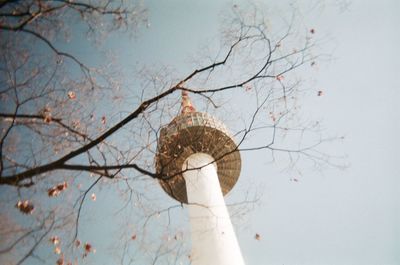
[
  {"x": 213, "y": 238},
  {"x": 199, "y": 163}
]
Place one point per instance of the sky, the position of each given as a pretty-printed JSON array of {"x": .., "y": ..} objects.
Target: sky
[
  {"x": 329, "y": 215},
  {"x": 350, "y": 216}
]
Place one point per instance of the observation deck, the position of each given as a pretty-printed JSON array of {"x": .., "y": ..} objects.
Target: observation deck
[{"x": 195, "y": 132}]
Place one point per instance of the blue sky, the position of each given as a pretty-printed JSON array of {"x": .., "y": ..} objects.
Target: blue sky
[
  {"x": 350, "y": 216},
  {"x": 331, "y": 216}
]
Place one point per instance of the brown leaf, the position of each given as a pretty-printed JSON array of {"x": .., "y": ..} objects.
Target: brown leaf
[
  {"x": 47, "y": 118},
  {"x": 87, "y": 247},
  {"x": 257, "y": 237},
  {"x": 55, "y": 240},
  {"x": 57, "y": 250},
  {"x": 62, "y": 186},
  {"x": 25, "y": 207},
  {"x": 71, "y": 95},
  {"x": 56, "y": 190},
  {"x": 53, "y": 192}
]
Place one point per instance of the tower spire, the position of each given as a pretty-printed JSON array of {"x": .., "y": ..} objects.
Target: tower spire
[{"x": 186, "y": 104}]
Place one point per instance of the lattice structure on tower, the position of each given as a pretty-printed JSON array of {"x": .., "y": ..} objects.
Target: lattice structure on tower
[{"x": 195, "y": 132}]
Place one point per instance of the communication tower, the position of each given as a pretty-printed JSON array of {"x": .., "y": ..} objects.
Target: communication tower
[{"x": 199, "y": 163}]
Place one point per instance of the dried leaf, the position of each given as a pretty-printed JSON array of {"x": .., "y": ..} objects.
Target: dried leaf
[
  {"x": 56, "y": 190},
  {"x": 25, "y": 207},
  {"x": 55, "y": 240},
  {"x": 88, "y": 248},
  {"x": 53, "y": 192},
  {"x": 57, "y": 250},
  {"x": 47, "y": 118},
  {"x": 71, "y": 95}
]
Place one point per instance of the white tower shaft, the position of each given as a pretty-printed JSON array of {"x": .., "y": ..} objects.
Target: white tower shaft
[{"x": 213, "y": 239}]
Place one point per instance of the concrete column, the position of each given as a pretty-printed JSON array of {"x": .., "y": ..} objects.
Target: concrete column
[{"x": 213, "y": 239}]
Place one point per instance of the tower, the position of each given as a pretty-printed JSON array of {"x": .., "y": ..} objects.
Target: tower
[{"x": 199, "y": 163}]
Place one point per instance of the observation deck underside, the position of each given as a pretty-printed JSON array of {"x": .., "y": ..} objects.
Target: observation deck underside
[{"x": 190, "y": 133}]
